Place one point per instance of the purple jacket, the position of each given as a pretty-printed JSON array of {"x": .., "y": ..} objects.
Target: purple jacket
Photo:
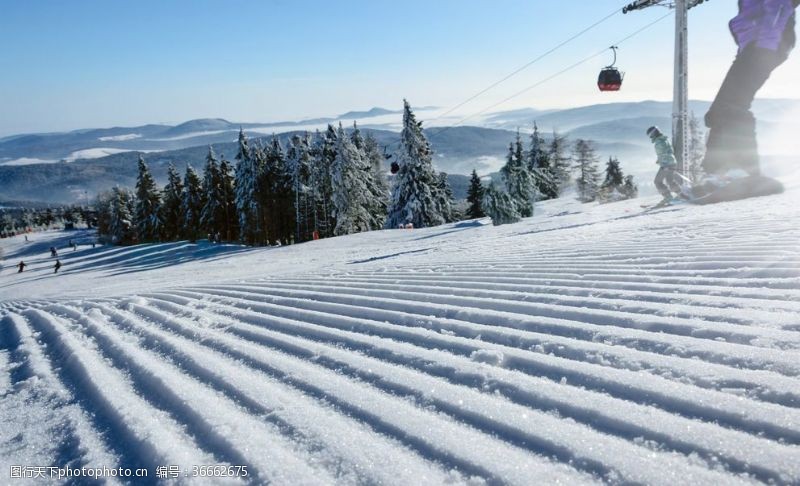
[{"x": 762, "y": 22}]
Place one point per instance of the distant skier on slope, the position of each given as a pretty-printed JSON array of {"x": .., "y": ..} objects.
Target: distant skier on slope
[
  {"x": 764, "y": 33},
  {"x": 21, "y": 266},
  {"x": 667, "y": 179},
  {"x": 57, "y": 266},
  {"x": 53, "y": 252}
]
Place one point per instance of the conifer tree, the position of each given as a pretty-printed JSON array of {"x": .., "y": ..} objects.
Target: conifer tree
[
  {"x": 475, "y": 197},
  {"x": 446, "y": 200},
  {"x": 350, "y": 192},
  {"x": 415, "y": 193},
  {"x": 518, "y": 179},
  {"x": 148, "y": 202},
  {"x": 275, "y": 191},
  {"x": 298, "y": 168},
  {"x": 323, "y": 155},
  {"x": 378, "y": 186},
  {"x": 500, "y": 206},
  {"x": 192, "y": 204},
  {"x": 587, "y": 178},
  {"x": 612, "y": 188},
  {"x": 540, "y": 167},
  {"x": 231, "y": 226},
  {"x": 246, "y": 195},
  {"x": 171, "y": 214},
  {"x": 121, "y": 228},
  {"x": 629, "y": 188},
  {"x": 212, "y": 216},
  {"x": 560, "y": 162}
]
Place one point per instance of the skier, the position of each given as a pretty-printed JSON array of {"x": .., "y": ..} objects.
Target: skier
[
  {"x": 764, "y": 32},
  {"x": 53, "y": 252},
  {"x": 21, "y": 266},
  {"x": 667, "y": 179},
  {"x": 58, "y": 265}
]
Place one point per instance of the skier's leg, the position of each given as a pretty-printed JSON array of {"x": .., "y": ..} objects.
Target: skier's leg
[
  {"x": 659, "y": 182},
  {"x": 674, "y": 181},
  {"x": 732, "y": 139}
]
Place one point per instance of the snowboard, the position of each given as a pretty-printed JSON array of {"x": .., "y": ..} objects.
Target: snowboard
[{"x": 743, "y": 188}]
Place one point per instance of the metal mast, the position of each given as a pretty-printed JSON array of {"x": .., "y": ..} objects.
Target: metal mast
[{"x": 680, "y": 95}]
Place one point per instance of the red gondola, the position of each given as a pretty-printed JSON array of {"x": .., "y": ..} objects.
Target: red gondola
[{"x": 610, "y": 78}]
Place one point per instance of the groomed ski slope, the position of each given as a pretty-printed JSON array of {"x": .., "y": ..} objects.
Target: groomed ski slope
[{"x": 588, "y": 344}]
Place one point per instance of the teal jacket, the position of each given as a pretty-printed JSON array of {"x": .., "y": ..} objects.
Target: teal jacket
[{"x": 666, "y": 156}]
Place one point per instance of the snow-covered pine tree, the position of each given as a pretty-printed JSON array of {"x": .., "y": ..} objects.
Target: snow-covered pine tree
[
  {"x": 611, "y": 188},
  {"x": 350, "y": 193},
  {"x": 540, "y": 167},
  {"x": 212, "y": 216},
  {"x": 275, "y": 189},
  {"x": 148, "y": 201},
  {"x": 192, "y": 204},
  {"x": 121, "y": 228},
  {"x": 587, "y": 178},
  {"x": 231, "y": 227},
  {"x": 323, "y": 155},
  {"x": 697, "y": 149},
  {"x": 378, "y": 186},
  {"x": 414, "y": 196},
  {"x": 298, "y": 168},
  {"x": 475, "y": 197},
  {"x": 500, "y": 206},
  {"x": 560, "y": 162},
  {"x": 446, "y": 200},
  {"x": 629, "y": 188},
  {"x": 518, "y": 179},
  {"x": 246, "y": 195},
  {"x": 171, "y": 214}
]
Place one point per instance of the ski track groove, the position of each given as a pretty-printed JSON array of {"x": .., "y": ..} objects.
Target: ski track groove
[
  {"x": 715, "y": 406},
  {"x": 273, "y": 403},
  {"x": 670, "y": 354},
  {"x": 218, "y": 424},
  {"x": 517, "y": 387}
]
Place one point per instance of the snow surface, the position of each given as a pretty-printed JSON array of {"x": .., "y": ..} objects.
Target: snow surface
[{"x": 586, "y": 344}]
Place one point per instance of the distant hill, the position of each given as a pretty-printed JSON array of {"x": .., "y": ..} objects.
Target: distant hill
[{"x": 618, "y": 129}]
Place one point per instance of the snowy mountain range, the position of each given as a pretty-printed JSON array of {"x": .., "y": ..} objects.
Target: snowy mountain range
[{"x": 68, "y": 167}]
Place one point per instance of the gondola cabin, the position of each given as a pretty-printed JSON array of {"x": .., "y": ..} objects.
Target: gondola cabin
[{"x": 610, "y": 79}]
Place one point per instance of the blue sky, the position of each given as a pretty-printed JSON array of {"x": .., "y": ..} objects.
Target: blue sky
[{"x": 67, "y": 65}]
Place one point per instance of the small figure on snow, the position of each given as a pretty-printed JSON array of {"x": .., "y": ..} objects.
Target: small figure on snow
[
  {"x": 57, "y": 266},
  {"x": 21, "y": 266},
  {"x": 667, "y": 179},
  {"x": 74, "y": 246},
  {"x": 53, "y": 252},
  {"x": 26, "y": 238}
]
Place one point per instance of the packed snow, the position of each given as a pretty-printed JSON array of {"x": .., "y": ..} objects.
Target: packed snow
[{"x": 587, "y": 344}]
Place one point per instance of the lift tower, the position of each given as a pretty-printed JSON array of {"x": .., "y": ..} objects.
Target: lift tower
[{"x": 680, "y": 95}]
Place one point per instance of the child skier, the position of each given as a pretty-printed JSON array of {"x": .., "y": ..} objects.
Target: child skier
[
  {"x": 764, "y": 32},
  {"x": 58, "y": 265},
  {"x": 667, "y": 179},
  {"x": 21, "y": 266}
]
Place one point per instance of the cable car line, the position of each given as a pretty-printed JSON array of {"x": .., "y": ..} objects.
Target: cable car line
[
  {"x": 559, "y": 73},
  {"x": 527, "y": 65}
]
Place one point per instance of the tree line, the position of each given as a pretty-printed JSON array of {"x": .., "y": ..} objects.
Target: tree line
[
  {"x": 543, "y": 171},
  {"x": 329, "y": 184},
  {"x": 333, "y": 183}
]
